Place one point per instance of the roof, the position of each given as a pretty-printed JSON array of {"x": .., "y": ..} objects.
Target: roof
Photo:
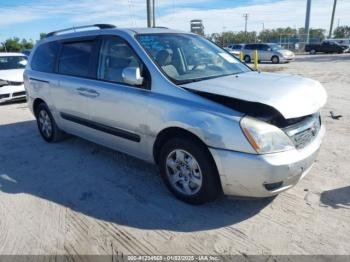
[{"x": 11, "y": 54}]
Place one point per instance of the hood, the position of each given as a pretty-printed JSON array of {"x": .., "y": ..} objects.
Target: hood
[
  {"x": 285, "y": 52},
  {"x": 292, "y": 96},
  {"x": 13, "y": 75}
]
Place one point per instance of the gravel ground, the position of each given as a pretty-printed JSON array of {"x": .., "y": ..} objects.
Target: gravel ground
[{"x": 80, "y": 198}]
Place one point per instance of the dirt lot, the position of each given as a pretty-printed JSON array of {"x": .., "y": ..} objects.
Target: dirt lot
[{"x": 77, "y": 197}]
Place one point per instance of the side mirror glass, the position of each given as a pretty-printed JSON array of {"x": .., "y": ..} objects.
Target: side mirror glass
[{"x": 132, "y": 76}]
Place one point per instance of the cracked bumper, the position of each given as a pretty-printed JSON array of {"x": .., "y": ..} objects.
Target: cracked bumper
[{"x": 246, "y": 175}]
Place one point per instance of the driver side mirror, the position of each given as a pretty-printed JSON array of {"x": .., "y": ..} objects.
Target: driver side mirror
[{"x": 132, "y": 76}]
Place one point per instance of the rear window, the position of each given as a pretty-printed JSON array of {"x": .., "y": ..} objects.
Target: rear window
[
  {"x": 44, "y": 57},
  {"x": 75, "y": 58}
]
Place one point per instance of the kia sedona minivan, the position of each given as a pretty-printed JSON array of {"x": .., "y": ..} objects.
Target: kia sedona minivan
[
  {"x": 268, "y": 53},
  {"x": 177, "y": 100}
]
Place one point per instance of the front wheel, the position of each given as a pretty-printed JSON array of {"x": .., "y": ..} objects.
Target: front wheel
[
  {"x": 275, "y": 60},
  {"x": 247, "y": 59},
  {"x": 47, "y": 125},
  {"x": 189, "y": 171},
  {"x": 312, "y": 52}
]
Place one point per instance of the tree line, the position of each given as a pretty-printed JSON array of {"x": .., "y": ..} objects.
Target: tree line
[{"x": 280, "y": 35}]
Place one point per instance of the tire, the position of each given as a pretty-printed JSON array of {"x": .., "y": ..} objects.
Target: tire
[
  {"x": 312, "y": 52},
  {"x": 47, "y": 125},
  {"x": 195, "y": 182},
  {"x": 247, "y": 59},
  {"x": 275, "y": 59}
]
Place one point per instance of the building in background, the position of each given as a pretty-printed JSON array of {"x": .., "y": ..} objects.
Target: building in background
[{"x": 197, "y": 26}]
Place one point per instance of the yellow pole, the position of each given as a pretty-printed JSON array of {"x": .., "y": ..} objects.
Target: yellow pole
[
  {"x": 256, "y": 59},
  {"x": 241, "y": 56}
]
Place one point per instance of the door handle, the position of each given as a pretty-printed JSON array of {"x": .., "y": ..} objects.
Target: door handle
[{"x": 87, "y": 92}]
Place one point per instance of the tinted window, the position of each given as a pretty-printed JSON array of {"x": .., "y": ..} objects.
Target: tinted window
[
  {"x": 44, "y": 57},
  {"x": 75, "y": 58},
  {"x": 264, "y": 47},
  {"x": 251, "y": 47},
  {"x": 115, "y": 56}
]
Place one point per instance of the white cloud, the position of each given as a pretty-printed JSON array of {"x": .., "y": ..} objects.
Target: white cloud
[{"x": 177, "y": 14}]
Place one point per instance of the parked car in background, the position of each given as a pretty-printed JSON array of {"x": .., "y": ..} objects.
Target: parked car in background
[
  {"x": 11, "y": 76},
  {"x": 344, "y": 42},
  {"x": 267, "y": 52},
  {"x": 325, "y": 47},
  {"x": 235, "y": 49},
  {"x": 177, "y": 100}
]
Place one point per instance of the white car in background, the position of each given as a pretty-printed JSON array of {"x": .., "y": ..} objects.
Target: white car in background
[{"x": 11, "y": 76}]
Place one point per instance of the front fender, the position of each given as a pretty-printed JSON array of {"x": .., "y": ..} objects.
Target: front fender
[{"x": 215, "y": 130}]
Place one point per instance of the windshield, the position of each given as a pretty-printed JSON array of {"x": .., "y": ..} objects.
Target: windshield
[
  {"x": 275, "y": 47},
  {"x": 12, "y": 62},
  {"x": 186, "y": 58}
]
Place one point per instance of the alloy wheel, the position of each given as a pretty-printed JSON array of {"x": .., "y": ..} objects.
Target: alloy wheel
[{"x": 45, "y": 123}]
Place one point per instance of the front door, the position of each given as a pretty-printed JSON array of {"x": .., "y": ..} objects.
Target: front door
[{"x": 120, "y": 111}]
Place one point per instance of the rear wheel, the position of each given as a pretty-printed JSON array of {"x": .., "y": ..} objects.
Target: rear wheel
[
  {"x": 312, "y": 52},
  {"x": 247, "y": 59},
  {"x": 275, "y": 59},
  {"x": 189, "y": 171},
  {"x": 47, "y": 125}
]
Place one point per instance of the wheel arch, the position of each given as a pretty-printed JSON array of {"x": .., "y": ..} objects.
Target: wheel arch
[
  {"x": 36, "y": 103},
  {"x": 172, "y": 132}
]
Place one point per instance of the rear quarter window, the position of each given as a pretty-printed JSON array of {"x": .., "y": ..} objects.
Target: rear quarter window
[
  {"x": 75, "y": 58},
  {"x": 44, "y": 57}
]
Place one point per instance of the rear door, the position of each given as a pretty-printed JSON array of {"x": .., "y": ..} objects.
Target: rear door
[{"x": 75, "y": 70}]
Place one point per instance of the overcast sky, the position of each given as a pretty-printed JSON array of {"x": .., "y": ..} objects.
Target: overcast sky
[{"x": 27, "y": 18}]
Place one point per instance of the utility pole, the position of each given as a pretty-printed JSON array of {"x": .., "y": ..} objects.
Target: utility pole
[
  {"x": 245, "y": 22},
  {"x": 307, "y": 21},
  {"x": 332, "y": 20},
  {"x": 154, "y": 13},
  {"x": 150, "y": 13}
]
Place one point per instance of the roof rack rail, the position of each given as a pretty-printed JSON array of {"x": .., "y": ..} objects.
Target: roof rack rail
[
  {"x": 161, "y": 27},
  {"x": 100, "y": 26}
]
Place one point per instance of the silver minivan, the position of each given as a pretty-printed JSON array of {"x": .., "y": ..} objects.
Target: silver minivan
[
  {"x": 175, "y": 99},
  {"x": 268, "y": 53}
]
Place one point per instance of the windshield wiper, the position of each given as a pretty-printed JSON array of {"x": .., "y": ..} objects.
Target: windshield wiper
[{"x": 179, "y": 82}]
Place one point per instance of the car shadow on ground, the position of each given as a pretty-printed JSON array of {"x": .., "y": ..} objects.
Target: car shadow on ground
[
  {"x": 337, "y": 198},
  {"x": 105, "y": 184}
]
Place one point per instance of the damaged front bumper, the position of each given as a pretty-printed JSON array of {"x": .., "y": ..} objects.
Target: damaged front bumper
[{"x": 264, "y": 175}]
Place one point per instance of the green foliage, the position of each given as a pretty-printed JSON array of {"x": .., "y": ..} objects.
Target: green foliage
[
  {"x": 14, "y": 44},
  {"x": 42, "y": 35},
  {"x": 342, "y": 32},
  {"x": 268, "y": 35}
]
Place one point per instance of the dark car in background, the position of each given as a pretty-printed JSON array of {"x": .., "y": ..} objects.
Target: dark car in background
[{"x": 325, "y": 47}]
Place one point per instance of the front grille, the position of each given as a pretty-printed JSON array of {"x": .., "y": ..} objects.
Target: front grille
[
  {"x": 304, "y": 132},
  {"x": 19, "y": 93},
  {"x": 14, "y": 83}
]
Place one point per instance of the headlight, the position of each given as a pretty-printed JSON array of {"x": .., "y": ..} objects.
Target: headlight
[
  {"x": 265, "y": 138},
  {"x": 3, "y": 83}
]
